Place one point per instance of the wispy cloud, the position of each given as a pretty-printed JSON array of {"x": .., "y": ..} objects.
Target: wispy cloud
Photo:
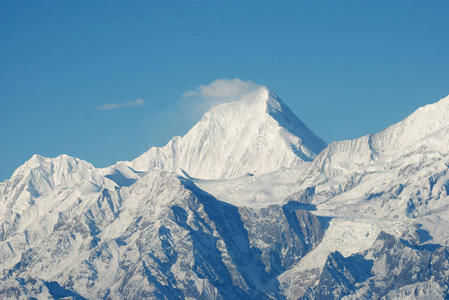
[
  {"x": 223, "y": 89},
  {"x": 204, "y": 97},
  {"x": 109, "y": 106}
]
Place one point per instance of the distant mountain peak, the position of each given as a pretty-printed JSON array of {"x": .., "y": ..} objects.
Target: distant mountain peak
[
  {"x": 39, "y": 161},
  {"x": 40, "y": 175},
  {"x": 256, "y": 134},
  {"x": 422, "y": 123},
  {"x": 424, "y": 130}
]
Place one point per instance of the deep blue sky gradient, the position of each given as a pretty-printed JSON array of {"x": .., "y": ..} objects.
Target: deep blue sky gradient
[{"x": 346, "y": 68}]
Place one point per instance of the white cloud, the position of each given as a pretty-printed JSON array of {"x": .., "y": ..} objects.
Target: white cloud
[
  {"x": 204, "y": 97},
  {"x": 109, "y": 106},
  {"x": 225, "y": 89}
]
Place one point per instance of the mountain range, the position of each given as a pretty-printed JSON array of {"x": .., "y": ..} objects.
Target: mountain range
[{"x": 249, "y": 204}]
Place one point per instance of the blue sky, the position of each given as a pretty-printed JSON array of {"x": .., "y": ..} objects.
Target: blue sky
[{"x": 346, "y": 68}]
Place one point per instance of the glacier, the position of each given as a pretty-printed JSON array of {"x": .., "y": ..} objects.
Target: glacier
[{"x": 249, "y": 204}]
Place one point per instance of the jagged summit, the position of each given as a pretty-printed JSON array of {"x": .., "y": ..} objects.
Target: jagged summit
[
  {"x": 62, "y": 167},
  {"x": 39, "y": 176},
  {"x": 256, "y": 134},
  {"x": 39, "y": 161}
]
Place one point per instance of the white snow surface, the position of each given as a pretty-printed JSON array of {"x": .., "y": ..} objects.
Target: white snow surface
[
  {"x": 256, "y": 134},
  {"x": 252, "y": 153}
]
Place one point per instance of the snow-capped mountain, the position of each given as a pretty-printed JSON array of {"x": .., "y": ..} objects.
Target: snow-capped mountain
[
  {"x": 425, "y": 130},
  {"x": 256, "y": 134},
  {"x": 359, "y": 219}
]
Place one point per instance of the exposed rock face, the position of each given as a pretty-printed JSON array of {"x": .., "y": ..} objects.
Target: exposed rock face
[
  {"x": 391, "y": 269},
  {"x": 160, "y": 237}
]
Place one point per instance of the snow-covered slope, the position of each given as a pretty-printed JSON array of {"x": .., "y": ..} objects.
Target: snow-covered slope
[
  {"x": 361, "y": 219},
  {"x": 424, "y": 131},
  {"x": 40, "y": 176},
  {"x": 394, "y": 181},
  {"x": 256, "y": 134},
  {"x": 160, "y": 237}
]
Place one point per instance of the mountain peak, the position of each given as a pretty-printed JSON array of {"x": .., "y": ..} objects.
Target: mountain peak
[
  {"x": 426, "y": 130},
  {"x": 39, "y": 175},
  {"x": 39, "y": 161},
  {"x": 423, "y": 123},
  {"x": 256, "y": 134}
]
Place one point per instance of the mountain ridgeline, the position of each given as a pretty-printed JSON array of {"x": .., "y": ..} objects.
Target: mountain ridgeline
[{"x": 249, "y": 204}]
